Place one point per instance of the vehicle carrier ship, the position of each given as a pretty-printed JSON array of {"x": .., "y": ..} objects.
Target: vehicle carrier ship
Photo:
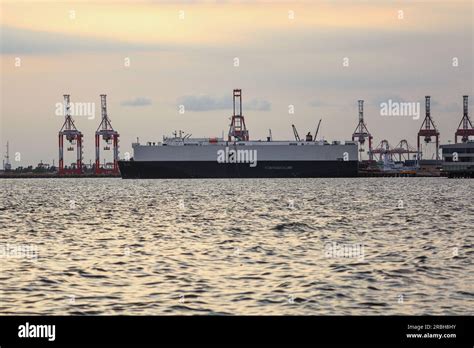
[{"x": 181, "y": 156}]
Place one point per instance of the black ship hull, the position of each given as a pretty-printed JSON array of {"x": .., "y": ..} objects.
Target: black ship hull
[{"x": 213, "y": 169}]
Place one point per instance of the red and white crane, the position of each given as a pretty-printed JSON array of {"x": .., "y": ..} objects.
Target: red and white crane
[
  {"x": 465, "y": 128},
  {"x": 74, "y": 139},
  {"x": 110, "y": 138},
  {"x": 428, "y": 130},
  {"x": 361, "y": 132},
  {"x": 237, "y": 130}
]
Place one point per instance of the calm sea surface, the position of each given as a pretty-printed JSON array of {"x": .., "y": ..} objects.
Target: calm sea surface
[{"x": 284, "y": 246}]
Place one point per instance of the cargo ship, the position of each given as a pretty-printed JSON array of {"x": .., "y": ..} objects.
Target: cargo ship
[{"x": 181, "y": 156}]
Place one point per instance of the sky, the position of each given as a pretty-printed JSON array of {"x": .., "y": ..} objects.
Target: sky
[{"x": 172, "y": 65}]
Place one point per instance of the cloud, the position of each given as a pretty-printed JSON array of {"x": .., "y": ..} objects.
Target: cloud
[
  {"x": 320, "y": 104},
  {"x": 397, "y": 98},
  {"x": 24, "y": 41},
  {"x": 138, "y": 101},
  {"x": 258, "y": 105},
  {"x": 204, "y": 103},
  {"x": 209, "y": 103},
  {"x": 379, "y": 99}
]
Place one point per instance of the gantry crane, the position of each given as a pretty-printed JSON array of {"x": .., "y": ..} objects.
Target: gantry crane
[
  {"x": 361, "y": 132},
  {"x": 74, "y": 138},
  {"x": 465, "y": 128},
  {"x": 110, "y": 137},
  {"x": 428, "y": 130}
]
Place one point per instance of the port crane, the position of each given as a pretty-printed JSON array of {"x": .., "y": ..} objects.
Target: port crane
[
  {"x": 237, "y": 130},
  {"x": 74, "y": 137},
  {"x": 383, "y": 150},
  {"x": 465, "y": 128},
  {"x": 110, "y": 137},
  {"x": 428, "y": 130},
  {"x": 361, "y": 132},
  {"x": 403, "y": 148}
]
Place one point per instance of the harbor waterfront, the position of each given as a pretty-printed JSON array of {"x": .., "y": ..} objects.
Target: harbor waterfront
[
  {"x": 184, "y": 157},
  {"x": 346, "y": 246}
]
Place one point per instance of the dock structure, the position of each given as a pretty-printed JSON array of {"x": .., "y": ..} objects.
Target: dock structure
[
  {"x": 458, "y": 158},
  {"x": 454, "y": 160}
]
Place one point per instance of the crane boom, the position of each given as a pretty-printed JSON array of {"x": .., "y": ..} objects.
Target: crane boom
[
  {"x": 295, "y": 132},
  {"x": 317, "y": 129}
]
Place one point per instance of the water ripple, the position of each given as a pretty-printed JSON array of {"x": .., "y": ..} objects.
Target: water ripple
[{"x": 219, "y": 247}]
